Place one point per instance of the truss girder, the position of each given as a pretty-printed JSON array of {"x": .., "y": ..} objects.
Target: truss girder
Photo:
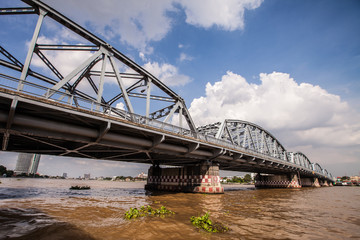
[
  {"x": 246, "y": 135},
  {"x": 102, "y": 51},
  {"x": 252, "y": 137},
  {"x": 241, "y": 144}
]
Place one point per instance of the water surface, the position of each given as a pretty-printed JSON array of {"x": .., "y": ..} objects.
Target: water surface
[{"x": 47, "y": 209}]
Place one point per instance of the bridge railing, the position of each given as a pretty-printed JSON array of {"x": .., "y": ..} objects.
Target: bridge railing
[{"x": 89, "y": 104}]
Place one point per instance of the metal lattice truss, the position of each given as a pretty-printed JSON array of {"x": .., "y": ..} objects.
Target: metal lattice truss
[
  {"x": 252, "y": 137},
  {"x": 246, "y": 135},
  {"x": 136, "y": 88},
  {"x": 150, "y": 136}
]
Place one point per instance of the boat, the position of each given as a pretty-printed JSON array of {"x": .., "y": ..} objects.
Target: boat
[{"x": 76, "y": 187}]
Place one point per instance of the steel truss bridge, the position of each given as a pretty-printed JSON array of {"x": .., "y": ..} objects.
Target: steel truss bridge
[{"x": 72, "y": 114}]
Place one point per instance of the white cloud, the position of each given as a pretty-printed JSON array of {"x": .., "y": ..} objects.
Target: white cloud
[
  {"x": 185, "y": 57},
  {"x": 135, "y": 22},
  {"x": 120, "y": 105},
  {"x": 228, "y": 15},
  {"x": 138, "y": 23},
  {"x": 167, "y": 73},
  {"x": 142, "y": 56},
  {"x": 297, "y": 114}
]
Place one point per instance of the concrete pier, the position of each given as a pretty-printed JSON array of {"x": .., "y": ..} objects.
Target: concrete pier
[
  {"x": 324, "y": 183},
  {"x": 201, "y": 178},
  {"x": 277, "y": 181},
  {"x": 310, "y": 182}
]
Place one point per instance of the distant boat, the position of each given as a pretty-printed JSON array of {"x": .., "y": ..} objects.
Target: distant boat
[{"x": 79, "y": 187}]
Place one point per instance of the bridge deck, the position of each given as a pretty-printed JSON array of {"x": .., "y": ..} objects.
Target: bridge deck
[{"x": 49, "y": 127}]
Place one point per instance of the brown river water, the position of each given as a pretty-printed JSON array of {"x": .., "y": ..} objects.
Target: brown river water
[{"x": 47, "y": 209}]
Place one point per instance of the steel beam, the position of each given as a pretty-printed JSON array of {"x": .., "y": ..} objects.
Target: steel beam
[{"x": 32, "y": 44}]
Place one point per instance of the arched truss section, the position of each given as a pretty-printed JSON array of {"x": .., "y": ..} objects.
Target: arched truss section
[
  {"x": 246, "y": 135},
  {"x": 301, "y": 159},
  {"x": 131, "y": 86},
  {"x": 318, "y": 168},
  {"x": 253, "y": 137}
]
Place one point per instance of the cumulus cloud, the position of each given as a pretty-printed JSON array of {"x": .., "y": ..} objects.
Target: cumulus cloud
[
  {"x": 167, "y": 73},
  {"x": 138, "y": 23},
  {"x": 120, "y": 105},
  {"x": 298, "y": 114},
  {"x": 135, "y": 23},
  {"x": 227, "y": 15}
]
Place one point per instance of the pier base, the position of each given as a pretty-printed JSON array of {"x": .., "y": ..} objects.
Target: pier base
[
  {"x": 324, "y": 183},
  {"x": 202, "y": 178},
  {"x": 310, "y": 182},
  {"x": 277, "y": 181}
]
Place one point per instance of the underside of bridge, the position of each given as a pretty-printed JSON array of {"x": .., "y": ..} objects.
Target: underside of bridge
[{"x": 43, "y": 126}]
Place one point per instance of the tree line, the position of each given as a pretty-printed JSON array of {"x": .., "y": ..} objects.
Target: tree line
[
  {"x": 246, "y": 179},
  {"x": 5, "y": 172}
]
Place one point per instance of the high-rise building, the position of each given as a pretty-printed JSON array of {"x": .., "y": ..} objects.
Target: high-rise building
[{"x": 27, "y": 163}]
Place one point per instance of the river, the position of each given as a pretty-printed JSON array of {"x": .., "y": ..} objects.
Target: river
[{"x": 47, "y": 209}]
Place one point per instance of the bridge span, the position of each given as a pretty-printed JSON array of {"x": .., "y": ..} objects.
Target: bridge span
[{"x": 141, "y": 121}]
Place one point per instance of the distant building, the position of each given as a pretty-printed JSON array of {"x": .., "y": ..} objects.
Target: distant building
[
  {"x": 87, "y": 175},
  {"x": 64, "y": 175},
  {"x": 142, "y": 175},
  {"x": 27, "y": 163}
]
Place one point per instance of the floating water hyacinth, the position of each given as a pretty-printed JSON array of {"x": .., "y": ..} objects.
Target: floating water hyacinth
[
  {"x": 144, "y": 211},
  {"x": 204, "y": 223}
]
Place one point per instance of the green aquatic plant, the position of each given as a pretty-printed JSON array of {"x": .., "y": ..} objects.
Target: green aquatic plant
[
  {"x": 204, "y": 223},
  {"x": 144, "y": 211}
]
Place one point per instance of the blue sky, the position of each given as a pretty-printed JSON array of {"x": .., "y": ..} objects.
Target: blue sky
[{"x": 290, "y": 66}]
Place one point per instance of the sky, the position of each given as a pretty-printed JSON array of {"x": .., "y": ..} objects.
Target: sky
[{"x": 291, "y": 67}]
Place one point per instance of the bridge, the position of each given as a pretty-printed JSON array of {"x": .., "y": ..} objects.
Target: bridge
[{"x": 138, "y": 120}]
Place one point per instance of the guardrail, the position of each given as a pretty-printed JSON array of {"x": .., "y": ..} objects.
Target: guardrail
[{"x": 92, "y": 105}]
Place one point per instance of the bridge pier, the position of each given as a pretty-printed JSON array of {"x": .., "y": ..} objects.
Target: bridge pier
[
  {"x": 201, "y": 178},
  {"x": 324, "y": 183},
  {"x": 277, "y": 181},
  {"x": 310, "y": 182}
]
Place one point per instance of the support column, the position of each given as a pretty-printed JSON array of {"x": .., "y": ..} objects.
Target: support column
[
  {"x": 201, "y": 178},
  {"x": 310, "y": 182},
  {"x": 324, "y": 183},
  {"x": 277, "y": 181}
]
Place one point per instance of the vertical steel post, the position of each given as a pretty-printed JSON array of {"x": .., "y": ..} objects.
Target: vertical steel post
[
  {"x": 101, "y": 84},
  {"x": 180, "y": 119},
  {"x": 262, "y": 141},
  {"x": 148, "y": 92},
  {"x": 30, "y": 53},
  {"x": 245, "y": 137}
]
